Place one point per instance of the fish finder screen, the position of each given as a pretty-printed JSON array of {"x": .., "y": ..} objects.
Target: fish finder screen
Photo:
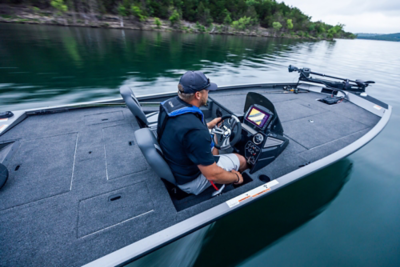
[{"x": 257, "y": 117}]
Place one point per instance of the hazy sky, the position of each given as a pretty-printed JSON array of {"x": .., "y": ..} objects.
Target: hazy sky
[{"x": 379, "y": 16}]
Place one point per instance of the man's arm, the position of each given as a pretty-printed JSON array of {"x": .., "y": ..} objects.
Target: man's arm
[
  {"x": 211, "y": 125},
  {"x": 214, "y": 122},
  {"x": 215, "y": 151},
  {"x": 218, "y": 175}
]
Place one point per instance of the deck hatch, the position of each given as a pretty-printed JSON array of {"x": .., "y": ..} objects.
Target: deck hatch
[
  {"x": 123, "y": 156},
  {"x": 42, "y": 167},
  {"x": 112, "y": 208},
  {"x": 296, "y": 109},
  {"x": 311, "y": 135}
]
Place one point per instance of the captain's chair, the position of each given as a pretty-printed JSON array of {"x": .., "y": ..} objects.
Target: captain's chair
[
  {"x": 153, "y": 154},
  {"x": 144, "y": 120}
]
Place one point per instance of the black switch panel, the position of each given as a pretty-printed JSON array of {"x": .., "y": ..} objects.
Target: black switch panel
[{"x": 251, "y": 152}]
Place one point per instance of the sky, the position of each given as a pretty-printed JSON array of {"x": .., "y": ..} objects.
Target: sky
[{"x": 359, "y": 16}]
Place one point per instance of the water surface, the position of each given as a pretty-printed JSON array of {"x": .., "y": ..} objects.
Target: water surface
[{"x": 345, "y": 215}]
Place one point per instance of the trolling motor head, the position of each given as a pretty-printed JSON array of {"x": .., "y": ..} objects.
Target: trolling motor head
[
  {"x": 363, "y": 84},
  {"x": 304, "y": 72},
  {"x": 292, "y": 68},
  {"x": 345, "y": 84}
]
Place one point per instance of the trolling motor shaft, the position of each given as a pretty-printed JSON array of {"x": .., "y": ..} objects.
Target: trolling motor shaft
[{"x": 345, "y": 84}]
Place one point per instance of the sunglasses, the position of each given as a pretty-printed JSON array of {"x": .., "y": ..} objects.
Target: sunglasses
[{"x": 207, "y": 84}]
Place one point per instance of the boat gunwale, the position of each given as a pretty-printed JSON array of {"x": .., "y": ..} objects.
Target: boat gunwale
[
  {"x": 145, "y": 97},
  {"x": 21, "y": 115}
]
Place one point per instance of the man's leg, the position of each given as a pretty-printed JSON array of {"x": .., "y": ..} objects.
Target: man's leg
[
  {"x": 243, "y": 163},
  {"x": 227, "y": 162},
  {"x": 196, "y": 186}
]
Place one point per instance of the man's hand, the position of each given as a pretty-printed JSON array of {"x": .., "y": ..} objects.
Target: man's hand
[
  {"x": 218, "y": 175},
  {"x": 240, "y": 176},
  {"x": 214, "y": 122}
]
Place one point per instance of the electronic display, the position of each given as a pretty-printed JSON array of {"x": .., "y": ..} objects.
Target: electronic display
[{"x": 257, "y": 117}]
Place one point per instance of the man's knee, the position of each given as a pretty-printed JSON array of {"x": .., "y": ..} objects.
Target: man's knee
[{"x": 242, "y": 162}]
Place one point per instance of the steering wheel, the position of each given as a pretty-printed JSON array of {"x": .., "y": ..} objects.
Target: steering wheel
[{"x": 230, "y": 126}]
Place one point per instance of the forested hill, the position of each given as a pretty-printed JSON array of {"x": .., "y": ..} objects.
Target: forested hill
[
  {"x": 382, "y": 37},
  {"x": 239, "y": 15}
]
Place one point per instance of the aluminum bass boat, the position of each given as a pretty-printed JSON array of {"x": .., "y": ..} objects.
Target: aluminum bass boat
[{"x": 86, "y": 184}]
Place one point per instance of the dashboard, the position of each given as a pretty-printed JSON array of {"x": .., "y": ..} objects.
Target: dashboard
[
  {"x": 259, "y": 144},
  {"x": 262, "y": 139}
]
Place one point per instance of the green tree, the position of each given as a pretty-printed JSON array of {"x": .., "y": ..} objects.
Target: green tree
[
  {"x": 122, "y": 11},
  {"x": 138, "y": 13},
  {"x": 200, "y": 11},
  {"x": 277, "y": 25},
  {"x": 320, "y": 27},
  {"x": 242, "y": 23},
  {"x": 204, "y": 14},
  {"x": 252, "y": 14},
  {"x": 227, "y": 19},
  {"x": 240, "y": 13},
  {"x": 200, "y": 27},
  {"x": 335, "y": 31},
  {"x": 175, "y": 17},
  {"x": 207, "y": 17},
  {"x": 157, "y": 21},
  {"x": 189, "y": 11},
  {"x": 160, "y": 9},
  {"x": 59, "y": 5},
  {"x": 289, "y": 24},
  {"x": 265, "y": 11},
  {"x": 311, "y": 27}
]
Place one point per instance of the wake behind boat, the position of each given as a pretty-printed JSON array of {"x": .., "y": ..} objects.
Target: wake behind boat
[{"x": 87, "y": 185}]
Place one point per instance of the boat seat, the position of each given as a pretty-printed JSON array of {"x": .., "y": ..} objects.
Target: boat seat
[
  {"x": 152, "y": 152},
  {"x": 144, "y": 120},
  {"x": 3, "y": 175}
]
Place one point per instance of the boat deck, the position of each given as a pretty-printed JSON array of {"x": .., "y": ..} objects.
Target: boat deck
[{"x": 79, "y": 187}]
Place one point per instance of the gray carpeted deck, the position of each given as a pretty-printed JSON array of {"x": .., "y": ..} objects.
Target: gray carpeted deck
[{"x": 79, "y": 187}]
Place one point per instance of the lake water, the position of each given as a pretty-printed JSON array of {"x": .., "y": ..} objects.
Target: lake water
[{"x": 345, "y": 215}]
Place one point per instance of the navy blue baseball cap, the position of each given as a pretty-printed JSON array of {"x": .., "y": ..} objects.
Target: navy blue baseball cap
[{"x": 194, "y": 81}]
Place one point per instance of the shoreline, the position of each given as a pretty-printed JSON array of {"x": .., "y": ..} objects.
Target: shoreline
[{"x": 32, "y": 15}]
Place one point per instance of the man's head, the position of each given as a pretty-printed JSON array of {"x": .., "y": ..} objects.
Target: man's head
[{"x": 193, "y": 88}]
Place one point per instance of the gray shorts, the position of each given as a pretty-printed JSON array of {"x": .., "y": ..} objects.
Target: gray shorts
[{"x": 227, "y": 162}]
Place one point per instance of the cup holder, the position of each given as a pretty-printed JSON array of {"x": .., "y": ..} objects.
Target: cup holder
[{"x": 264, "y": 178}]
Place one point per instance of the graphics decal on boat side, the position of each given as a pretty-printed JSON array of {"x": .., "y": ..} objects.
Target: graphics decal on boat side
[
  {"x": 252, "y": 193},
  {"x": 2, "y": 127}
]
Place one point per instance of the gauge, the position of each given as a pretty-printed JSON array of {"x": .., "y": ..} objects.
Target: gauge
[{"x": 258, "y": 138}]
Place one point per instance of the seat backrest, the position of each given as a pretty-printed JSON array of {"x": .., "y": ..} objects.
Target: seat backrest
[
  {"x": 153, "y": 154},
  {"x": 3, "y": 175},
  {"x": 133, "y": 104}
]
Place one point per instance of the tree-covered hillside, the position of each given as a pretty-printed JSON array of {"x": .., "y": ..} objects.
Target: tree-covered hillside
[
  {"x": 383, "y": 37},
  {"x": 241, "y": 15}
]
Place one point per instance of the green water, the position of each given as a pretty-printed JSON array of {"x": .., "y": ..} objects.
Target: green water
[{"x": 345, "y": 215}]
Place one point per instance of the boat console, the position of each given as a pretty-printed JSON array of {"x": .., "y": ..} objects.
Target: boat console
[
  {"x": 260, "y": 145},
  {"x": 261, "y": 133}
]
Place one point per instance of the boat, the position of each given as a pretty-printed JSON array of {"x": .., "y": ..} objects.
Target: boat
[{"x": 86, "y": 184}]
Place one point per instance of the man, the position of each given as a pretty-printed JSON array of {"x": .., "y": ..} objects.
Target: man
[{"x": 186, "y": 143}]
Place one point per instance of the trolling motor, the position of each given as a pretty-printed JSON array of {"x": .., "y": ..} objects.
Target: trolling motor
[{"x": 357, "y": 86}]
